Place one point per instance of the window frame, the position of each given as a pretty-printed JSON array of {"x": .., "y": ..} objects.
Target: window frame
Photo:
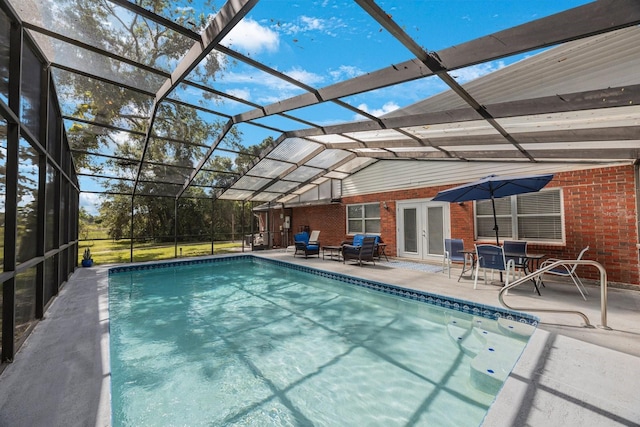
[
  {"x": 363, "y": 219},
  {"x": 513, "y": 200}
]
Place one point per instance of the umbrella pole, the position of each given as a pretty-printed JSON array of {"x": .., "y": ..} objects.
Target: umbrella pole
[
  {"x": 495, "y": 220},
  {"x": 495, "y": 225}
]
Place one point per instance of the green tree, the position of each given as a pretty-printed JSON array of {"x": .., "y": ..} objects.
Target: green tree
[
  {"x": 180, "y": 134},
  {"x": 85, "y": 221}
]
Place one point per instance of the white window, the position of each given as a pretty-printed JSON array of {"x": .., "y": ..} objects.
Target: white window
[
  {"x": 534, "y": 217},
  {"x": 364, "y": 218}
]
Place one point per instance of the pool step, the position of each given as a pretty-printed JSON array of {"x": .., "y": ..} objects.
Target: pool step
[
  {"x": 492, "y": 365},
  {"x": 460, "y": 332},
  {"x": 492, "y": 351},
  {"x": 521, "y": 331}
]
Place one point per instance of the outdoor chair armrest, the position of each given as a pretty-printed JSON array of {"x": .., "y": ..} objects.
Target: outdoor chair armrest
[
  {"x": 511, "y": 265},
  {"x": 562, "y": 269},
  {"x": 548, "y": 261},
  {"x": 350, "y": 250}
]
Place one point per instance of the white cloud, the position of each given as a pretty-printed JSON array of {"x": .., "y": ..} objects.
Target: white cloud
[
  {"x": 385, "y": 109},
  {"x": 304, "y": 76},
  {"x": 86, "y": 171},
  {"x": 251, "y": 36},
  {"x": 117, "y": 139},
  {"x": 90, "y": 202},
  {"x": 312, "y": 23},
  {"x": 256, "y": 86},
  {"x": 305, "y": 24},
  {"x": 270, "y": 99},
  {"x": 265, "y": 88},
  {"x": 253, "y": 78},
  {"x": 243, "y": 93},
  {"x": 467, "y": 74},
  {"x": 345, "y": 72},
  {"x": 271, "y": 82}
]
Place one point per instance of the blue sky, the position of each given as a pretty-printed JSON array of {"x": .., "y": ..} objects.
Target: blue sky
[{"x": 324, "y": 42}]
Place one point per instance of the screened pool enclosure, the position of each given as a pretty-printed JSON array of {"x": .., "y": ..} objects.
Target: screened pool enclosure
[{"x": 169, "y": 122}]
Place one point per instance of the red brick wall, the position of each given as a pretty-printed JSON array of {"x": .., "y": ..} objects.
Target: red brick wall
[
  {"x": 600, "y": 211},
  {"x": 329, "y": 219}
]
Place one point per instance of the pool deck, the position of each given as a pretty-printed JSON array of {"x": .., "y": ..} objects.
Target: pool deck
[{"x": 568, "y": 374}]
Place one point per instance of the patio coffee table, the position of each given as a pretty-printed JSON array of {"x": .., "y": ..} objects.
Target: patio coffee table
[
  {"x": 333, "y": 252},
  {"x": 381, "y": 251}
]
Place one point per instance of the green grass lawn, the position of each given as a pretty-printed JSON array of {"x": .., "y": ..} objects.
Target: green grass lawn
[{"x": 111, "y": 252}]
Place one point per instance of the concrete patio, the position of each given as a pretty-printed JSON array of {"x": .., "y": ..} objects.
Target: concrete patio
[{"x": 568, "y": 375}]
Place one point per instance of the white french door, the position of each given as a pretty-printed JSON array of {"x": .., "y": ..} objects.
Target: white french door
[{"x": 422, "y": 227}]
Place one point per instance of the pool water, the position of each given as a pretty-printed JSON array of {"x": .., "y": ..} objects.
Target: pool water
[{"x": 246, "y": 342}]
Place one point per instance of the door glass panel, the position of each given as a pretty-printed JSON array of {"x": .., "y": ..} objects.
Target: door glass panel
[
  {"x": 410, "y": 230},
  {"x": 435, "y": 230}
]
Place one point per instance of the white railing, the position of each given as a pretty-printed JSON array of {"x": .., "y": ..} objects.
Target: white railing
[{"x": 569, "y": 263}]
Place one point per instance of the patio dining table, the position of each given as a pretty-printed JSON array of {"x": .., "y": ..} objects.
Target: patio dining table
[{"x": 531, "y": 262}]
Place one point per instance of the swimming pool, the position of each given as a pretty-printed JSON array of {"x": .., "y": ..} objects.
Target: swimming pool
[{"x": 246, "y": 341}]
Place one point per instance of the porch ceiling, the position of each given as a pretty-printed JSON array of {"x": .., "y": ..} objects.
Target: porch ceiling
[{"x": 569, "y": 93}]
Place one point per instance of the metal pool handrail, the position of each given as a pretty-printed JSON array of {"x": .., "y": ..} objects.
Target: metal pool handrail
[{"x": 536, "y": 274}]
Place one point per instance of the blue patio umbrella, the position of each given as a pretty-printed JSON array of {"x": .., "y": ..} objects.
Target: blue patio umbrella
[{"x": 493, "y": 187}]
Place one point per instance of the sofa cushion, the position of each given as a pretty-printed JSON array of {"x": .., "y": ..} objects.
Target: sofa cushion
[
  {"x": 301, "y": 237},
  {"x": 358, "y": 238}
]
